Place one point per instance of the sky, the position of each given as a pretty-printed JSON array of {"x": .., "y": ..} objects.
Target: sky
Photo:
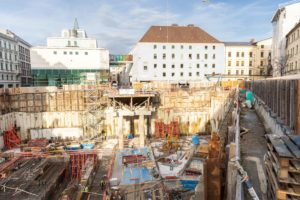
[{"x": 119, "y": 24}]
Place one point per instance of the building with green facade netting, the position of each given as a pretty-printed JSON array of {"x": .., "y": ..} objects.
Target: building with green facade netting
[{"x": 73, "y": 58}]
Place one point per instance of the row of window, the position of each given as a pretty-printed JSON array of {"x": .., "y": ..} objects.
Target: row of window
[
  {"x": 164, "y": 74},
  {"x": 293, "y": 51},
  {"x": 237, "y": 63},
  {"x": 8, "y": 77},
  {"x": 292, "y": 66},
  {"x": 155, "y": 46},
  {"x": 71, "y": 53},
  {"x": 8, "y": 56},
  {"x": 242, "y": 54},
  {"x": 7, "y": 45},
  {"x": 190, "y": 56},
  {"x": 5, "y": 66},
  {"x": 293, "y": 37},
  {"x": 181, "y": 66},
  {"x": 237, "y": 72}
]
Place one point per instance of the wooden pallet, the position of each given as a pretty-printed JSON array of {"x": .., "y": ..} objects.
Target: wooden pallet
[{"x": 283, "y": 167}]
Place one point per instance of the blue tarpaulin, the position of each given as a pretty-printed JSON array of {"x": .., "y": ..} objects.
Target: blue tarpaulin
[{"x": 189, "y": 184}]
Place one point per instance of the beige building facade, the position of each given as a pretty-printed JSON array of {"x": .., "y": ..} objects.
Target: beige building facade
[
  {"x": 247, "y": 60},
  {"x": 292, "y": 51}
]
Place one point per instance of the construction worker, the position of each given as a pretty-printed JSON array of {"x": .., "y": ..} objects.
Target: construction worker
[{"x": 102, "y": 184}]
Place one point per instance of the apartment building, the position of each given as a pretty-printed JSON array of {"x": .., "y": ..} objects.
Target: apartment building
[
  {"x": 293, "y": 51},
  {"x": 177, "y": 54},
  {"x": 15, "y": 68},
  {"x": 73, "y": 58},
  {"x": 285, "y": 18},
  {"x": 247, "y": 60}
]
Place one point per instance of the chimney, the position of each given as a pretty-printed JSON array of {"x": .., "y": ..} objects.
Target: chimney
[
  {"x": 252, "y": 40},
  {"x": 174, "y": 25},
  {"x": 190, "y": 25}
]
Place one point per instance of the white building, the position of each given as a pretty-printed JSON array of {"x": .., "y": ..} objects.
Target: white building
[
  {"x": 283, "y": 21},
  {"x": 177, "y": 54},
  {"x": 15, "y": 69},
  {"x": 69, "y": 59}
]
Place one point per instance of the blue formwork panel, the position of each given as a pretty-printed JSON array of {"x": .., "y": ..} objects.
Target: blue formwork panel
[
  {"x": 136, "y": 176},
  {"x": 189, "y": 184}
]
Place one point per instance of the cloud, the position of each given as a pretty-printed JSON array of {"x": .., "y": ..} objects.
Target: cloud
[{"x": 118, "y": 25}]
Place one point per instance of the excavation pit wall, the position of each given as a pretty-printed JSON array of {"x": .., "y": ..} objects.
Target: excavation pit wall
[{"x": 197, "y": 110}]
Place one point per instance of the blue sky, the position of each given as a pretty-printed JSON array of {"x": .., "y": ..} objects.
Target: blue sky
[{"x": 119, "y": 24}]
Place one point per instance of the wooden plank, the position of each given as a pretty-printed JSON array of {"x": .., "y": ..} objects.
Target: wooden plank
[
  {"x": 291, "y": 146},
  {"x": 280, "y": 146}
]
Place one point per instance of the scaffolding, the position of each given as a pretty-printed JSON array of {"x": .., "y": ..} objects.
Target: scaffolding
[{"x": 95, "y": 104}]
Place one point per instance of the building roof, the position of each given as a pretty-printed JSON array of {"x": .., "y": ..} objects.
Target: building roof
[
  {"x": 293, "y": 29},
  {"x": 238, "y": 43},
  {"x": 178, "y": 34},
  {"x": 281, "y": 7}
]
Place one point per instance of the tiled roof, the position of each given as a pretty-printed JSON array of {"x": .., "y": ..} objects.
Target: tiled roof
[{"x": 177, "y": 34}]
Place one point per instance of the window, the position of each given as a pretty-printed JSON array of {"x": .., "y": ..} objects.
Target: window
[
  {"x": 181, "y": 65},
  {"x": 229, "y": 54},
  {"x": 250, "y": 72},
  {"x": 243, "y": 54},
  {"x": 164, "y": 56},
  {"x": 181, "y": 73},
  {"x": 205, "y": 56},
  {"x": 173, "y": 55},
  {"x": 155, "y": 56},
  {"x": 173, "y": 46},
  {"x": 154, "y": 46},
  {"x": 237, "y": 63},
  {"x": 75, "y": 43},
  {"x": 69, "y": 43},
  {"x": 173, "y": 74},
  {"x": 242, "y": 72},
  {"x": 164, "y": 65},
  {"x": 76, "y": 53},
  {"x": 145, "y": 68},
  {"x": 237, "y": 72},
  {"x": 190, "y": 47},
  {"x": 71, "y": 53},
  {"x": 198, "y": 73},
  {"x": 198, "y": 66},
  {"x": 229, "y": 72},
  {"x": 229, "y": 63},
  {"x": 214, "y": 56},
  {"x": 261, "y": 54},
  {"x": 261, "y": 63},
  {"x": 213, "y": 65},
  {"x": 164, "y": 74},
  {"x": 65, "y": 53},
  {"x": 190, "y": 56},
  {"x": 181, "y": 46},
  {"x": 237, "y": 54},
  {"x": 198, "y": 56},
  {"x": 214, "y": 47},
  {"x": 190, "y": 73},
  {"x": 242, "y": 63},
  {"x": 54, "y": 52},
  {"x": 155, "y": 66},
  {"x": 173, "y": 66},
  {"x": 205, "y": 65},
  {"x": 164, "y": 47},
  {"x": 85, "y": 53},
  {"x": 262, "y": 46},
  {"x": 205, "y": 47},
  {"x": 250, "y": 63},
  {"x": 250, "y": 54}
]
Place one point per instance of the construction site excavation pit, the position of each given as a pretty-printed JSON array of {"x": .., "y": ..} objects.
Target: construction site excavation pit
[{"x": 97, "y": 142}]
